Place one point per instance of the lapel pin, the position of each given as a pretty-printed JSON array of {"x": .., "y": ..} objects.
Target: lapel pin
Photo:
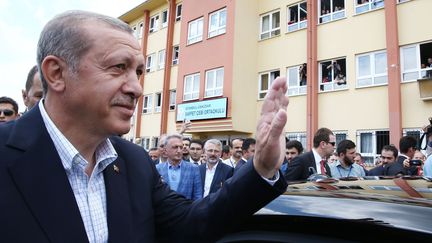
[{"x": 116, "y": 169}]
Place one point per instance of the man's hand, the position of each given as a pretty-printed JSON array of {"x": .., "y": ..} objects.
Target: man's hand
[
  {"x": 185, "y": 126},
  {"x": 270, "y": 134},
  {"x": 406, "y": 163}
]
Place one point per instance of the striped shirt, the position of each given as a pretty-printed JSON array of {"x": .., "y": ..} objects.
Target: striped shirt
[{"x": 89, "y": 192}]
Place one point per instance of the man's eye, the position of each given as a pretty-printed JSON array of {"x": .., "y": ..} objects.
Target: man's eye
[{"x": 121, "y": 66}]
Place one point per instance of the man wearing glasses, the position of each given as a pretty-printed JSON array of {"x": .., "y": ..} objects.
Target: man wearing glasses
[
  {"x": 8, "y": 109},
  {"x": 314, "y": 161}
]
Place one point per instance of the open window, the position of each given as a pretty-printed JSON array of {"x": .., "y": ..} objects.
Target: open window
[
  {"x": 297, "y": 16},
  {"x": 296, "y": 78},
  {"x": 330, "y": 10},
  {"x": 333, "y": 75},
  {"x": 416, "y": 61},
  {"x": 362, "y": 6},
  {"x": 270, "y": 25}
]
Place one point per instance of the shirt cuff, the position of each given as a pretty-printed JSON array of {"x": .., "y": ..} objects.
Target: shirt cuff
[{"x": 270, "y": 181}]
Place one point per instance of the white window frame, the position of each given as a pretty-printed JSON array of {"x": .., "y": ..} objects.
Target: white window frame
[
  {"x": 154, "y": 23},
  {"x": 219, "y": 27},
  {"x": 175, "y": 57},
  {"x": 272, "y": 30},
  {"x": 299, "y": 136},
  {"x": 164, "y": 14},
  {"x": 336, "y": 133},
  {"x": 155, "y": 142},
  {"x": 295, "y": 89},
  {"x": 372, "y": 155},
  {"x": 271, "y": 77},
  {"x": 140, "y": 29},
  {"x": 212, "y": 89},
  {"x": 161, "y": 59},
  {"x": 135, "y": 30},
  {"x": 147, "y": 104},
  {"x": 158, "y": 102},
  {"x": 403, "y": 1},
  {"x": 190, "y": 89},
  {"x": 150, "y": 62},
  {"x": 374, "y": 77},
  {"x": 416, "y": 72},
  {"x": 332, "y": 15},
  {"x": 368, "y": 6},
  {"x": 179, "y": 9},
  {"x": 331, "y": 85},
  {"x": 145, "y": 143},
  {"x": 298, "y": 24},
  {"x": 172, "y": 100},
  {"x": 195, "y": 31}
]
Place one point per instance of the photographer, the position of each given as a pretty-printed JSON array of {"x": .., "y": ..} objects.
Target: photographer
[{"x": 415, "y": 165}]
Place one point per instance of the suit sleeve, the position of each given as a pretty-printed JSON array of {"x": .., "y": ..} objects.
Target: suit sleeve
[
  {"x": 208, "y": 218},
  {"x": 197, "y": 184}
]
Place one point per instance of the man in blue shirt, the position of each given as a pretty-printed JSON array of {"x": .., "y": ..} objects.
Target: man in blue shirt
[
  {"x": 182, "y": 176},
  {"x": 345, "y": 166}
]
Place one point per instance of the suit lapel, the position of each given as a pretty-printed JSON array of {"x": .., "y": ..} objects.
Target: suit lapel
[
  {"x": 216, "y": 178},
  {"x": 202, "y": 169},
  {"x": 41, "y": 179},
  {"x": 119, "y": 212}
]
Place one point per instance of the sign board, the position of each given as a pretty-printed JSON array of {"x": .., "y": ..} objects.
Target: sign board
[{"x": 208, "y": 109}]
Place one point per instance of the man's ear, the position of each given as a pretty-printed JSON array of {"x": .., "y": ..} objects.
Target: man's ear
[{"x": 54, "y": 70}]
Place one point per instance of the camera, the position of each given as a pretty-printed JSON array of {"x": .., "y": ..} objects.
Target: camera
[{"x": 415, "y": 162}]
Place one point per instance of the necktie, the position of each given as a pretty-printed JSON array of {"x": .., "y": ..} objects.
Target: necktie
[{"x": 323, "y": 169}]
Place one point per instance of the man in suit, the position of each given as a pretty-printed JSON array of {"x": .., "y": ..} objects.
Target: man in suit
[
  {"x": 33, "y": 88},
  {"x": 314, "y": 161},
  {"x": 407, "y": 147},
  {"x": 195, "y": 151},
  {"x": 236, "y": 145},
  {"x": 66, "y": 175},
  {"x": 8, "y": 109},
  {"x": 182, "y": 176},
  {"x": 214, "y": 173},
  {"x": 388, "y": 156},
  {"x": 248, "y": 151}
]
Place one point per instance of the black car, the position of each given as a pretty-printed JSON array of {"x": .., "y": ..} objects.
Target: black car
[{"x": 383, "y": 209}]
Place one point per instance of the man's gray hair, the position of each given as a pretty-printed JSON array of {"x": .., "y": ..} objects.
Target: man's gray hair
[
  {"x": 63, "y": 37},
  {"x": 171, "y": 136},
  {"x": 216, "y": 142}
]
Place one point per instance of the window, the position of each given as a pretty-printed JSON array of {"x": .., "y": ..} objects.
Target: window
[
  {"x": 140, "y": 29},
  {"x": 155, "y": 142},
  {"x": 158, "y": 102},
  {"x": 296, "y": 78},
  {"x": 214, "y": 82},
  {"x": 217, "y": 23},
  {"x": 135, "y": 31},
  {"x": 195, "y": 31},
  {"x": 147, "y": 104},
  {"x": 150, "y": 63},
  {"x": 297, "y": 16},
  {"x": 333, "y": 75},
  {"x": 154, "y": 22},
  {"x": 191, "y": 87},
  {"x": 165, "y": 18},
  {"x": 161, "y": 59},
  {"x": 362, "y": 6},
  {"x": 402, "y": 1},
  {"x": 416, "y": 61},
  {"x": 339, "y": 137},
  {"x": 299, "y": 136},
  {"x": 371, "y": 69},
  {"x": 331, "y": 10},
  {"x": 178, "y": 12},
  {"x": 370, "y": 144},
  {"x": 145, "y": 143},
  {"x": 175, "y": 55},
  {"x": 270, "y": 25},
  {"x": 172, "y": 100},
  {"x": 265, "y": 81},
  {"x": 417, "y": 133}
]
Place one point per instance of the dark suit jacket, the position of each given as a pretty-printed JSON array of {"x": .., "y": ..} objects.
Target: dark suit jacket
[
  {"x": 300, "y": 167},
  {"x": 37, "y": 203},
  {"x": 239, "y": 164},
  {"x": 398, "y": 168},
  {"x": 223, "y": 172}
]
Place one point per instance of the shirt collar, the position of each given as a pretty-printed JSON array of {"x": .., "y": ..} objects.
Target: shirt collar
[
  {"x": 171, "y": 166},
  {"x": 105, "y": 151}
]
